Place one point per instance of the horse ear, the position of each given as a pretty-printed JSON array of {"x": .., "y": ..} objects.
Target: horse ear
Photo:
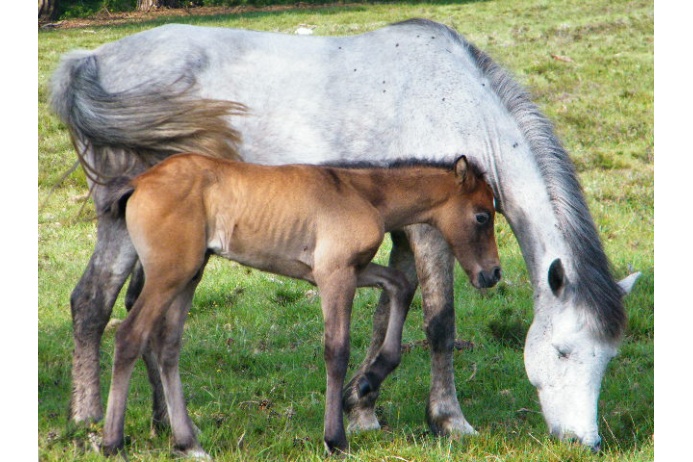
[
  {"x": 461, "y": 168},
  {"x": 626, "y": 284},
  {"x": 556, "y": 276}
]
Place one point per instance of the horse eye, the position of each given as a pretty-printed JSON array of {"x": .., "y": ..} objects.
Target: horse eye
[
  {"x": 482, "y": 218},
  {"x": 564, "y": 352}
]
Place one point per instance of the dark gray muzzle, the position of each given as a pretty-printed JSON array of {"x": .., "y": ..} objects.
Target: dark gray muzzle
[{"x": 489, "y": 278}]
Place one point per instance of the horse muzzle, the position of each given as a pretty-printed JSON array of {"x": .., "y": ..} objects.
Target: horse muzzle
[
  {"x": 592, "y": 441},
  {"x": 486, "y": 279}
]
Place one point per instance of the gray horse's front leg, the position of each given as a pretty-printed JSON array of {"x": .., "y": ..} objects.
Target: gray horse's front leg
[
  {"x": 435, "y": 264},
  {"x": 91, "y": 305},
  {"x": 422, "y": 255},
  {"x": 359, "y": 405}
]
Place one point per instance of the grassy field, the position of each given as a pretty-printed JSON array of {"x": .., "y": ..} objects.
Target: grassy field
[{"x": 252, "y": 363}]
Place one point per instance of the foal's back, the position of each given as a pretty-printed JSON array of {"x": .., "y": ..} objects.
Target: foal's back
[{"x": 271, "y": 218}]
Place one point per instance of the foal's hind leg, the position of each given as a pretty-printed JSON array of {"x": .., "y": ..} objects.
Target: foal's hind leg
[
  {"x": 160, "y": 421},
  {"x": 434, "y": 264},
  {"x": 130, "y": 340},
  {"x": 360, "y": 406},
  {"x": 91, "y": 305},
  {"x": 167, "y": 345}
]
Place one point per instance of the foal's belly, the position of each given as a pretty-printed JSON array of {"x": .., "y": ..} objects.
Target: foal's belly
[
  {"x": 284, "y": 266},
  {"x": 292, "y": 259}
]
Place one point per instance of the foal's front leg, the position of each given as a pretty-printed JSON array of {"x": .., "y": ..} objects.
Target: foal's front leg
[
  {"x": 337, "y": 295},
  {"x": 359, "y": 403},
  {"x": 399, "y": 293}
]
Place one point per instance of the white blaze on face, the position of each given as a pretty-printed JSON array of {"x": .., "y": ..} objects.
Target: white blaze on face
[{"x": 566, "y": 362}]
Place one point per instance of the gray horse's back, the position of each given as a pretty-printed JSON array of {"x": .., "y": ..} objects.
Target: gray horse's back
[{"x": 406, "y": 90}]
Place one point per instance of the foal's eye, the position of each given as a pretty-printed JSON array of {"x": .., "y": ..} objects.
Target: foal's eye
[{"x": 482, "y": 218}]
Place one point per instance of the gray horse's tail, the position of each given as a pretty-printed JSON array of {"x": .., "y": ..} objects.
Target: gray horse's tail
[{"x": 130, "y": 130}]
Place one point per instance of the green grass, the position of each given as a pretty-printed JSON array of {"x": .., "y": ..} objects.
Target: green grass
[{"x": 252, "y": 363}]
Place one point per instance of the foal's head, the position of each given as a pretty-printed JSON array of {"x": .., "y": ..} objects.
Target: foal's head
[{"x": 467, "y": 223}]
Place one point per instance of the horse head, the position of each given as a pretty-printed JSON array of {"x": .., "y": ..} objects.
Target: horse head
[
  {"x": 467, "y": 224},
  {"x": 566, "y": 356}
]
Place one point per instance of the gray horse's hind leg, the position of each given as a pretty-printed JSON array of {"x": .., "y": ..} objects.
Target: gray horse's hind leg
[
  {"x": 360, "y": 408},
  {"x": 160, "y": 420},
  {"x": 91, "y": 305}
]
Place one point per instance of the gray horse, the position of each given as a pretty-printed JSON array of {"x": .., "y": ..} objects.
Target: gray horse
[{"x": 415, "y": 89}]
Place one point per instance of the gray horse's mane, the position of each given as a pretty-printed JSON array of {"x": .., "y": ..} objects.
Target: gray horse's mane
[{"x": 595, "y": 289}]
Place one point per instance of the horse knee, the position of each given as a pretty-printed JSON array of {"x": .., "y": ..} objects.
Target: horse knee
[
  {"x": 336, "y": 355},
  {"x": 129, "y": 343},
  {"x": 440, "y": 330},
  {"x": 168, "y": 354},
  {"x": 90, "y": 315}
]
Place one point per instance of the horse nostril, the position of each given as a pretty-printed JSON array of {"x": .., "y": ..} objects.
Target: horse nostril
[{"x": 489, "y": 278}]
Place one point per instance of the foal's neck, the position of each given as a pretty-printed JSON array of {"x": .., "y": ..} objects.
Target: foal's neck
[{"x": 404, "y": 195}]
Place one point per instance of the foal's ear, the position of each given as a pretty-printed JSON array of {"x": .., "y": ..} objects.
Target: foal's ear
[{"x": 462, "y": 169}]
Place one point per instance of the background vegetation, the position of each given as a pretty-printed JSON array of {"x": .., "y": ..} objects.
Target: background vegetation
[
  {"x": 82, "y": 8},
  {"x": 252, "y": 359}
]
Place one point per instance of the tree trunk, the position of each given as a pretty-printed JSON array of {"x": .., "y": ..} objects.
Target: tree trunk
[
  {"x": 47, "y": 10},
  {"x": 146, "y": 5}
]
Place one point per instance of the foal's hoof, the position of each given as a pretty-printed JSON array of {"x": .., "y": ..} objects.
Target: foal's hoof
[
  {"x": 338, "y": 448},
  {"x": 358, "y": 400},
  {"x": 362, "y": 420},
  {"x": 114, "y": 451}
]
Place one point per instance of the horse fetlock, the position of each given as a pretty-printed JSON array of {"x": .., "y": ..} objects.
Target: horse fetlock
[
  {"x": 85, "y": 409},
  {"x": 161, "y": 424},
  {"x": 364, "y": 386},
  {"x": 359, "y": 393}
]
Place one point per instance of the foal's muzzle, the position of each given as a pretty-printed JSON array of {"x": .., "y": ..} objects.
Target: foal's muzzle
[{"x": 489, "y": 278}]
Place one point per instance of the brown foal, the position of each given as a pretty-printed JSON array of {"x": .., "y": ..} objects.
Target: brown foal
[{"x": 316, "y": 223}]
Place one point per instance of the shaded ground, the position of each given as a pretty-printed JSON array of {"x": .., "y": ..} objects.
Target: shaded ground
[{"x": 105, "y": 17}]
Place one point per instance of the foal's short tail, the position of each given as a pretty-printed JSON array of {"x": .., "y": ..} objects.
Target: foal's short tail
[
  {"x": 119, "y": 191},
  {"x": 140, "y": 126}
]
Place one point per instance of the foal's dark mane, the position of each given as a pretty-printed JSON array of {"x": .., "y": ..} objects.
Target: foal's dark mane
[
  {"x": 474, "y": 167},
  {"x": 595, "y": 289}
]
